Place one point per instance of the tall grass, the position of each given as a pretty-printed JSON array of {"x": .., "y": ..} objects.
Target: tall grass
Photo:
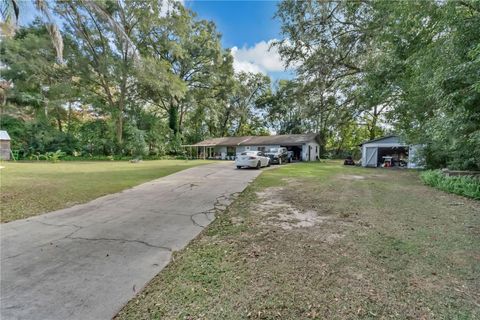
[{"x": 463, "y": 185}]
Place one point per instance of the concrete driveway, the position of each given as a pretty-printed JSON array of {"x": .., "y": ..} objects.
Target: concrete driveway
[{"x": 87, "y": 261}]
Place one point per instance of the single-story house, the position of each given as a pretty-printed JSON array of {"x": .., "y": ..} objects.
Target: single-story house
[
  {"x": 5, "y": 151},
  {"x": 391, "y": 149},
  {"x": 304, "y": 147}
]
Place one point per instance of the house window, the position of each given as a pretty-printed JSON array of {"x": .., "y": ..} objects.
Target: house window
[
  {"x": 316, "y": 149},
  {"x": 261, "y": 149}
]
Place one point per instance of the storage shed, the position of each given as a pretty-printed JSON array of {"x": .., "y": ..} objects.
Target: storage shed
[
  {"x": 304, "y": 147},
  {"x": 392, "y": 150},
  {"x": 5, "y": 150}
]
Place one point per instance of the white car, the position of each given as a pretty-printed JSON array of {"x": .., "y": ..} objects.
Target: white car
[{"x": 252, "y": 159}]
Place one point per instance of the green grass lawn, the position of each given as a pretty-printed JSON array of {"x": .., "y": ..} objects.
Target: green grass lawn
[
  {"x": 323, "y": 241},
  {"x": 31, "y": 188}
]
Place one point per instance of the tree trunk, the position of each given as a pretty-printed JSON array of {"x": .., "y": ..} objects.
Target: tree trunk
[
  {"x": 240, "y": 125},
  {"x": 373, "y": 128},
  {"x": 69, "y": 116},
  {"x": 173, "y": 118},
  {"x": 340, "y": 145},
  {"x": 119, "y": 128},
  {"x": 374, "y": 123},
  {"x": 59, "y": 123},
  {"x": 227, "y": 118},
  {"x": 182, "y": 115}
]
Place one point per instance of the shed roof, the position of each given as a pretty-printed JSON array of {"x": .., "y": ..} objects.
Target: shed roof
[
  {"x": 387, "y": 139},
  {"x": 4, "y": 135},
  {"x": 285, "y": 140}
]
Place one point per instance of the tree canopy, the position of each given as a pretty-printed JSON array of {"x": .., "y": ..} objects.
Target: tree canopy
[
  {"x": 136, "y": 77},
  {"x": 411, "y": 66},
  {"x": 143, "y": 77}
]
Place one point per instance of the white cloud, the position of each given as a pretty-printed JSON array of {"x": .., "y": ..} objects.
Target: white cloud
[
  {"x": 259, "y": 58},
  {"x": 246, "y": 66}
]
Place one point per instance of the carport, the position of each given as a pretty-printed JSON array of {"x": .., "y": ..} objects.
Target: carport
[{"x": 305, "y": 147}]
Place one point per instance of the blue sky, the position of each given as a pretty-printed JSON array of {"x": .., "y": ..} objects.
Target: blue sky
[
  {"x": 240, "y": 22},
  {"x": 247, "y": 27}
]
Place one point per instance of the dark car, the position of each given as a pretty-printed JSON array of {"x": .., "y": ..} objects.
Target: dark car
[
  {"x": 348, "y": 161},
  {"x": 277, "y": 155}
]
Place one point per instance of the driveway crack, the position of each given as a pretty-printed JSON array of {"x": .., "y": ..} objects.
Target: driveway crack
[
  {"x": 77, "y": 228},
  {"x": 58, "y": 225},
  {"x": 121, "y": 240},
  {"x": 217, "y": 208},
  {"x": 212, "y": 211}
]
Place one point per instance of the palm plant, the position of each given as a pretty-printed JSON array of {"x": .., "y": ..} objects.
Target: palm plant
[{"x": 10, "y": 12}]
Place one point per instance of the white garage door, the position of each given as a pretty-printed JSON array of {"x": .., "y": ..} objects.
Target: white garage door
[{"x": 371, "y": 154}]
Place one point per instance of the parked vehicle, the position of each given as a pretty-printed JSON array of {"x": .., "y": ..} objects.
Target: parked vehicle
[
  {"x": 278, "y": 155},
  {"x": 252, "y": 159},
  {"x": 348, "y": 161}
]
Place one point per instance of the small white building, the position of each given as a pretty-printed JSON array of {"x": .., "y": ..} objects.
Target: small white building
[
  {"x": 5, "y": 150},
  {"x": 304, "y": 147},
  {"x": 376, "y": 151}
]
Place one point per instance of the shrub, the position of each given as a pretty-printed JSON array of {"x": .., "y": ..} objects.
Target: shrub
[
  {"x": 463, "y": 185},
  {"x": 96, "y": 158},
  {"x": 117, "y": 158},
  {"x": 50, "y": 156},
  {"x": 55, "y": 156},
  {"x": 134, "y": 143}
]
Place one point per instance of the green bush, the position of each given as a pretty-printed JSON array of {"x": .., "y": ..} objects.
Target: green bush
[
  {"x": 463, "y": 185},
  {"x": 55, "y": 156},
  {"x": 49, "y": 156},
  {"x": 119, "y": 158}
]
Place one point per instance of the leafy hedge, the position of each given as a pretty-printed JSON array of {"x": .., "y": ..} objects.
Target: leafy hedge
[
  {"x": 120, "y": 158},
  {"x": 61, "y": 156},
  {"x": 463, "y": 185}
]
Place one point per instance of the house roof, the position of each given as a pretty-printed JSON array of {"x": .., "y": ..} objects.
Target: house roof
[
  {"x": 4, "y": 135},
  {"x": 390, "y": 137},
  {"x": 285, "y": 140}
]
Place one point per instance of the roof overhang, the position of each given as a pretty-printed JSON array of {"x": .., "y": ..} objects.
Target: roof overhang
[
  {"x": 279, "y": 140},
  {"x": 385, "y": 145}
]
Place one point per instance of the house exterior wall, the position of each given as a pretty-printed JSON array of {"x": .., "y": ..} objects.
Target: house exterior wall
[
  {"x": 5, "y": 149},
  {"x": 222, "y": 151},
  {"x": 240, "y": 149},
  {"x": 314, "y": 151}
]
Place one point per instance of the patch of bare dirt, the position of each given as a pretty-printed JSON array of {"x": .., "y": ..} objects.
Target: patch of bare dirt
[
  {"x": 350, "y": 177},
  {"x": 283, "y": 214},
  {"x": 293, "y": 182}
]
